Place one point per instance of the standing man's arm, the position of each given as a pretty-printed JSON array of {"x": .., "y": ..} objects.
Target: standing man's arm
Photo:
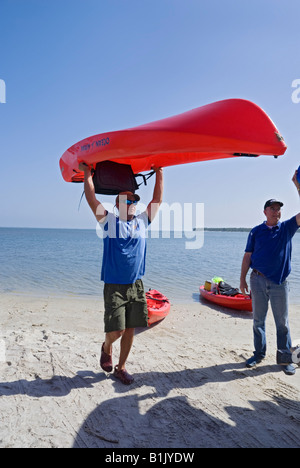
[
  {"x": 295, "y": 180},
  {"x": 245, "y": 268},
  {"x": 89, "y": 190},
  {"x": 156, "y": 201}
]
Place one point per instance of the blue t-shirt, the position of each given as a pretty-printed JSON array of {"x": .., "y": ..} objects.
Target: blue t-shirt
[
  {"x": 124, "y": 254},
  {"x": 271, "y": 249}
]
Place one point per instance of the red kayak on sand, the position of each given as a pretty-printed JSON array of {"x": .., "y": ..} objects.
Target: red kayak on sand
[
  {"x": 238, "y": 302},
  {"x": 223, "y": 129},
  {"x": 158, "y": 306}
]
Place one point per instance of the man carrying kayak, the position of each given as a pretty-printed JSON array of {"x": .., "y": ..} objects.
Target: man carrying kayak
[
  {"x": 123, "y": 265},
  {"x": 268, "y": 253}
]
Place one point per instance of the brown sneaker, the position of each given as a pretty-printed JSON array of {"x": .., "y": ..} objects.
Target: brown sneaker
[
  {"x": 123, "y": 376},
  {"x": 105, "y": 361}
]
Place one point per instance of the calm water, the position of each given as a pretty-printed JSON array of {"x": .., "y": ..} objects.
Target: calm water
[{"x": 60, "y": 262}]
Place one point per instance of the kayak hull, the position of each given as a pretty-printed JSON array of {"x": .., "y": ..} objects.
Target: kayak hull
[
  {"x": 223, "y": 129},
  {"x": 239, "y": 302},
  {"x": 158, "y": 306}
]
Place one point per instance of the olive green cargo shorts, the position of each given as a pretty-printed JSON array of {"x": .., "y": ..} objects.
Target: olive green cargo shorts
[{"x": 125, "y": 306}]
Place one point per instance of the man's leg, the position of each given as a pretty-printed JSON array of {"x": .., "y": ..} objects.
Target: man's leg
[
  {"x": 110, "y": 338},
  {"x": 279, "y": 302},
  {"x": 127, "y": 337},
  {"x": 136, "y": 316},
  {"x": 125, "y": 346},
  {"x": 114, "y": 321},
  {"x": 260, "y": 302}
]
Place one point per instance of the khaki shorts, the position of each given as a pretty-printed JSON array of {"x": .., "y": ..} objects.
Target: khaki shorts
[{"x": 125, "y": 306}]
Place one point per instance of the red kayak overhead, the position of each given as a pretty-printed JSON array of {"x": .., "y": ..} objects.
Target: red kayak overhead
[{"x": 224, "y": 129}]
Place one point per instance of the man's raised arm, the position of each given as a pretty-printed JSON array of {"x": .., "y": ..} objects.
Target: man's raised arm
[
  {"x": 156, "y": 201},
  {"x": 295, "y": 180},
  {"x": 89, "y": 190}
]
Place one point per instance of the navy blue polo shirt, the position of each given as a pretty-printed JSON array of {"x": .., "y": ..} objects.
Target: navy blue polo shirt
[{"x": 271, "y": 249}]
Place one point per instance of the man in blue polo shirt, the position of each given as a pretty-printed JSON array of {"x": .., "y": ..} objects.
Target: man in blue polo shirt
[{"x": 268, "y": 253}]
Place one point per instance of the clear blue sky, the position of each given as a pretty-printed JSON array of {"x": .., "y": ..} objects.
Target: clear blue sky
[{"x": 75, "y": 68}]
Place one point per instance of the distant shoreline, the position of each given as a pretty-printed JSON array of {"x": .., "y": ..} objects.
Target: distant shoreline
[
  {"x": 206, "y": 229},
  {"x": 224, "y": 229},
  {"x": 229, "y": 229}
]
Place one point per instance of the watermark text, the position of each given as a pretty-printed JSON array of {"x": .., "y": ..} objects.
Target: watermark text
[
  {"x": 176, "y": 220},
  {"x": 296, "y": 92},
  {"x": 2, "y": 92}
]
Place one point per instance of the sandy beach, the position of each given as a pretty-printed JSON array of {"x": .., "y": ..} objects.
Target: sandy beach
[{"x": 191, "y": 386}]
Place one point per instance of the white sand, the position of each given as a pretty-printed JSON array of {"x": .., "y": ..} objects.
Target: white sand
[{"x": 191, "y": 386}]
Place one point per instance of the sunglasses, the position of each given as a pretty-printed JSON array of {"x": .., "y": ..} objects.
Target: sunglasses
[{"x": 129, "y": 202}]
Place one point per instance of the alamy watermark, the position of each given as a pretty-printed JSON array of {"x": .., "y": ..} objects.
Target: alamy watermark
[
  {"x": 2, "y": 92},
  {"x": 176, "y": 220},
  {"x": 296, "y": 92}
]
